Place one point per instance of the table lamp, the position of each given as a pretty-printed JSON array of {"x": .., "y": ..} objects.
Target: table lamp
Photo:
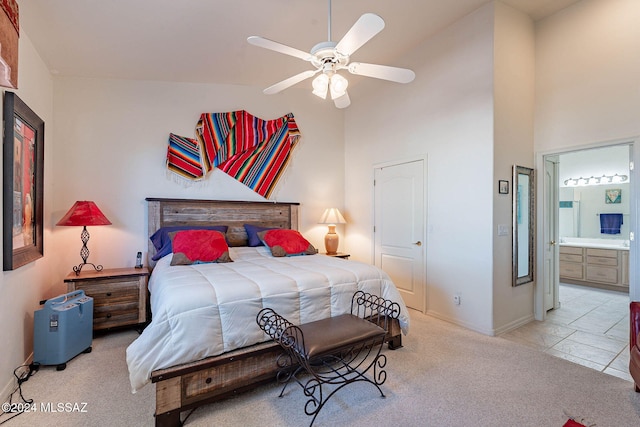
[
  {"x": 331, "y": 216},
  {"x": 84, "y": 213}
]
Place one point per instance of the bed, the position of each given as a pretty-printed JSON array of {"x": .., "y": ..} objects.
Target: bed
[{"x": 203, "y": 343}]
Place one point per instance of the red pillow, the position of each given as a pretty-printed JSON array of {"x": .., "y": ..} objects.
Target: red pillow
[
  {"x": 286, "y": 243},
  {"x": 198, "y": 246}
]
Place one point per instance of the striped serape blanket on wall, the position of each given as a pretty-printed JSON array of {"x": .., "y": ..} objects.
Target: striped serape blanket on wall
[
  {"x": 183, "y": 157},
  {"x": 252, "y": 150}
]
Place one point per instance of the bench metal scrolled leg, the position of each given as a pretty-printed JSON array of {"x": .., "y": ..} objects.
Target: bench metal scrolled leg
[{"x": 335, "y": 351}]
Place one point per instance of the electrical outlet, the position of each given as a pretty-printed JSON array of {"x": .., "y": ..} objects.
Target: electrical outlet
[{"x": 456, "y": 299}]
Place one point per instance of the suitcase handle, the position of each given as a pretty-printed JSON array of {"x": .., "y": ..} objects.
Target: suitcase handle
[{"x": 62, "y": 299}]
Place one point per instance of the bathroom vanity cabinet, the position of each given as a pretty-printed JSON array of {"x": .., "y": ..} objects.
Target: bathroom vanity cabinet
[{"x": 603, "y": 268}]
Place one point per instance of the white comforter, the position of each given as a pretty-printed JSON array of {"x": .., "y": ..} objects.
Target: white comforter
[{"x": 208, "y": 309}]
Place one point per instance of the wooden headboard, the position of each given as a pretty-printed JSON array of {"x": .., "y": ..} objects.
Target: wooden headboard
[{"x": 232, "y": 213}]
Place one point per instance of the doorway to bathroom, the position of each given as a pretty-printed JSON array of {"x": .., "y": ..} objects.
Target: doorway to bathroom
[
  {"x": 586, "y": 220},
  {"x": 586, "y": 320}
]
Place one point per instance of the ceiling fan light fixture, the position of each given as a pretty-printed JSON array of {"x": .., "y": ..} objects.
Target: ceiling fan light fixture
[
  {"x": 320, "y": 86},
  {"x": 338, "y": 86},
  {"x": 328, "y": 57}
]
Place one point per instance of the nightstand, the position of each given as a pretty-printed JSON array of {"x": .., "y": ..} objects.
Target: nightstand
[
  {"x": 339, "y": 255},
  {"x": 119, "y": 295}
]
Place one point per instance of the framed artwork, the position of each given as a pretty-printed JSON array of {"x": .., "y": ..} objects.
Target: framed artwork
[
  {"x": 503, "y": 187},
  {"x": 23, "y": 184},
  {"x": 613, "y": 195}
]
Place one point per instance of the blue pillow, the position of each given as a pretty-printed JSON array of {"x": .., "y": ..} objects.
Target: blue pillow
[
  {"x": 162, "y": 242},
  {"x": 252, "y": 234}
]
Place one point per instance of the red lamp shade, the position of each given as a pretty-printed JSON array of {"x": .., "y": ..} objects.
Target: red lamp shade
[{"x": 84, "y": 213}]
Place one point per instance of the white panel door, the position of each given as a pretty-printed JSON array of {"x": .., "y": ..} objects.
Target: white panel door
[
  {"x": 551, "y": 247},
  {"x": 400, "y": 228}
]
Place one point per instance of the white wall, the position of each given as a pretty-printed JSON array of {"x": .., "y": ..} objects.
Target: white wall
[
  {"x": 23, "y": 288},
  {"x": 113, "y": 140},
  {"x": 587, "y": 68},
  {"x": 447, "y": 114},
  {"x": 110, "y": 146},
  {"x": 587, "y": 85},
  {"x": 592, "y": 203},
  {"x": 514, "y": 88},
  {"x": 594, "y": 162}
]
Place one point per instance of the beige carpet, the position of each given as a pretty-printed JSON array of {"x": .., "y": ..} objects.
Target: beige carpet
[{"x": 443, "y": 376}]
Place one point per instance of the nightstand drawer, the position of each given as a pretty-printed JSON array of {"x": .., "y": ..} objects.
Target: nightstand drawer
[
  {"x": 107, "y": 316},
  {"x": 119, "y": 295},
  {"x": 114, "y": 292},
  {"x": 114, "y": 303}
]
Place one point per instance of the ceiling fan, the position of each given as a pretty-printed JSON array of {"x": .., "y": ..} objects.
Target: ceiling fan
[{"x": 330, "y": 57}]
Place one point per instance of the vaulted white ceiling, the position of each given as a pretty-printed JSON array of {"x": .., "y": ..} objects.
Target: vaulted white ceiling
[{"x": 204, "y": 41}]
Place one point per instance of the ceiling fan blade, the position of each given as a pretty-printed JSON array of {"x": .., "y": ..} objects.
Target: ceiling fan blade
[
  {"x": 278, "y": 87},
  {"x": 278, "y": 47},
  {"x": 343, "y": 101},
  {"x": 394, "y": 74},
  {"x": 367, "y": 26}
]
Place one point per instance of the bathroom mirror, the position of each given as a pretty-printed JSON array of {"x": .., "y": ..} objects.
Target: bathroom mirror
[{"x": 523, "y": 225}]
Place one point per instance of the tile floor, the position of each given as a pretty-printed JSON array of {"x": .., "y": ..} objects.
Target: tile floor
[{"x": 590, "y": 328}]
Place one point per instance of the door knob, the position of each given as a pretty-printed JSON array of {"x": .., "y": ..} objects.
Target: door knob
[
  {"x": 553, "y": 242},
  {"x": 418, "y": 243}
]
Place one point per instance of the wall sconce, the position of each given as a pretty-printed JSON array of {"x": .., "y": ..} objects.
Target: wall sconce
[
  {"x": 84, "y": 213},
  {"x": 596, "y": 180},
  {"x": 331, "y": 217}
]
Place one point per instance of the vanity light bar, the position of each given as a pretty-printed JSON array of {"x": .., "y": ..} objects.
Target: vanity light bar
[{"x": 596, "y": 180}]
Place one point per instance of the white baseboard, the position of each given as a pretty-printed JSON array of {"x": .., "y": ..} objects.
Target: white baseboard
[
  {"x": 515, "y": 324},
  {"x": 456, "y": 321},
  {"x": 491, "y": 332}
]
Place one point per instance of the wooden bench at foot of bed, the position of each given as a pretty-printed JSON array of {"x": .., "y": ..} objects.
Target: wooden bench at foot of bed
[{"x": 187, "y": 386}]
